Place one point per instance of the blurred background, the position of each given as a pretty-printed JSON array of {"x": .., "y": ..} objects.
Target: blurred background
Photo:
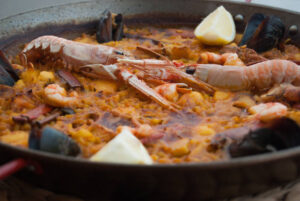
[{"x": 13, "y": 7}]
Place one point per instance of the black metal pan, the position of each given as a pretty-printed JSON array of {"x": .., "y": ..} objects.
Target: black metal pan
[{"x": 196, "y": 181}]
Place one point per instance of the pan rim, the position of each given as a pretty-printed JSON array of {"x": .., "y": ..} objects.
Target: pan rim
[
  {"x": 94, "y": 1},
  {"x": 236, "y": 162}
]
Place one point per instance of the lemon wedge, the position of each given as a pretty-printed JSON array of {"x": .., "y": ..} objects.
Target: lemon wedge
[{"x": 217, "y": 28}]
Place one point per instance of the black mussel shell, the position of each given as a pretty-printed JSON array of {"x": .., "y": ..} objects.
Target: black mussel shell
[
  {"x": 5, "y": 77},
  {"x": 53, "y": 141},
  {"x": 281, "y": 133},
  {"x": 109, "y": 27},
  {"x": 8, "y": 75},
  {"x": 251, "y": 27},
  {"x": 118, "y": 31},
  {"x": 104, "y": 29},
  {"x": 263, "y": 33},
  {"x": 7, "y": 66}
]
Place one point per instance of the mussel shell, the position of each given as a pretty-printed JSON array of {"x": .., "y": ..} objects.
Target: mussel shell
[
  {"x": 281, "y": 133},
  {"x": 5, "y": 77},
  {"x": 255, "y": 20},
  {"x": 8, "y": 67},
  {"x": 118, "y": 31},
  {"x": 53, "y": 141},
  {"x": 104, "y": 29},
  {"x": 263, "y": 33}
]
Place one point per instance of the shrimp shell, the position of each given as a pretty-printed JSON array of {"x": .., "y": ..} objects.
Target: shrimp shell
[
  {"x": 259, "y": 76},
  {"x": 72, "y": 54}
]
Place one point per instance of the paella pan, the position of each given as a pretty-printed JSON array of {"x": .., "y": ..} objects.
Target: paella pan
[{"x": 157, "y": 87}]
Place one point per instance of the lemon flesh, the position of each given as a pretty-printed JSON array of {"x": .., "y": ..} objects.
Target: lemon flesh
[{"x": 217, "y": 28}]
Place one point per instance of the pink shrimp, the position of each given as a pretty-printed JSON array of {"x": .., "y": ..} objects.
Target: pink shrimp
[
  {"x": 259, "y": 76},
  {"x": 223, "y": 59},
  {"x": 56, "y": 96},
  {"x": 268, "y": 111},
  {"x": 170, "y": 90}
]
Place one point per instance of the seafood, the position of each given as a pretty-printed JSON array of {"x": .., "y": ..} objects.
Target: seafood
[
  {"x": 8, "y": 76},
  {"x": 280, "y": 133},
  {"x": 89, "y": 92},
  {"x": 260, "y": 76},
  {"x": 268, "y": 111},
  {"x": 262, "y": 32},
  {"x": 104, "y": 29},
  {"x": 4, "y": 63},
  {"x": 71, "y": 54},
  {"x": 118, "y": 32},
  {"x": 166, "y": 71},
  {"x": 287, "y": 92},
  {"x": 220, "y": 140},
  {"x": 170, "y": 90},
  {"x": 51, "y": 140},
  {"x": 223, "y": 59},
  {"x": 57, "y": 96},
  {"x": 115, "y": 73},
  {"x": 90, "y": 64},
  {"x": 247, "y": 55},
  {"x": 110, "y": 27}
]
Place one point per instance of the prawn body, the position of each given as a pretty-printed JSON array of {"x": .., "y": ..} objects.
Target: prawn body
[{"x": 260, "y": 76}]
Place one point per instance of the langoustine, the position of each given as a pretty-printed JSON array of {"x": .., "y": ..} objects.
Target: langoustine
[
  {"x": 72, "y": 54},
  {"x": 260, "y": 76},
  {"x": 99, "y": 61}
]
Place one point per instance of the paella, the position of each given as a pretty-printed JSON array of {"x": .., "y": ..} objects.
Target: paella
[{"x": 147, "y": 95}]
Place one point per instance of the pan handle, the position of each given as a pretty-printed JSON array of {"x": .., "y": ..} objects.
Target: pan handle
[
  {"x": 12, "y": 167},
  {"x": 15, "y": 165}
]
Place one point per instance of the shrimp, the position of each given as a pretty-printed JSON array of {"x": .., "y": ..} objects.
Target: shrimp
[
  {"x": 56, "y": 96},
  {"x": 268, "y": 111},
  {"x": 223, "y": 59},
  {"x": 170, "y": 90},
  {"x": 260, "y": 76},
  {"x": 283, "y": 92}
]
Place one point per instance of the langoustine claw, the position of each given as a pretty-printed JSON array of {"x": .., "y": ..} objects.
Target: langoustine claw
[
  {"x": 164, "y": 70},
  {"x": 260, "y": 76},
  {"x": 113, "y": 72}
]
